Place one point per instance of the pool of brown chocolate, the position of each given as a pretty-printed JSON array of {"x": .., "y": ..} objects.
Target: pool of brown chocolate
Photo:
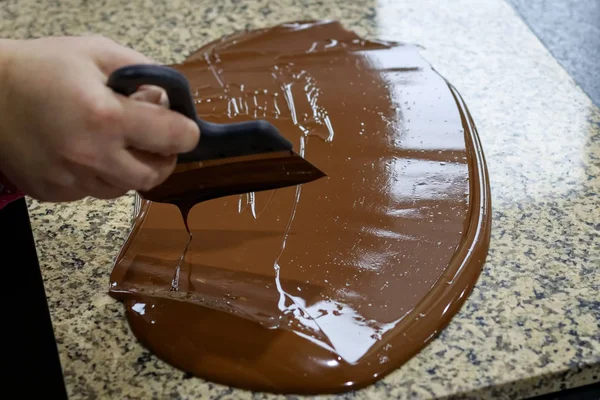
[{"x": 329, "y": 286}]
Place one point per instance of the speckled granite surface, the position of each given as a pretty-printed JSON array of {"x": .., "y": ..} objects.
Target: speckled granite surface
[{"x": 532, "y": 323}]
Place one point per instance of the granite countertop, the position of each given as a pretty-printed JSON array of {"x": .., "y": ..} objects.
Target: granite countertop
[{"x": 531, "y": 324}]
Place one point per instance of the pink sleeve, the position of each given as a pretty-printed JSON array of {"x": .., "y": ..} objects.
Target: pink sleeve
[{"x": 8, "y": 192}]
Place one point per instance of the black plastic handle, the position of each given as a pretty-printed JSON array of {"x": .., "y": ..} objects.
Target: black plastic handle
[{"x": 216, "y": 140}]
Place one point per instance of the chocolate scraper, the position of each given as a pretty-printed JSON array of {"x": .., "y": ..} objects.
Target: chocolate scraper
[{"x": 229, "y": 159}]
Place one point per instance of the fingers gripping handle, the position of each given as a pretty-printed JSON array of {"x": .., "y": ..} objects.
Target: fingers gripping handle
[
  {"x": 217, "y": 140},
  {"x": 127, "y": 81}
]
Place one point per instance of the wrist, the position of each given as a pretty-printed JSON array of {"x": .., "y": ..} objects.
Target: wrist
[
  {"x": 8, "y": 191},
  {"x": 6, "y": 186},
  {"x": 8, "y": 51}
]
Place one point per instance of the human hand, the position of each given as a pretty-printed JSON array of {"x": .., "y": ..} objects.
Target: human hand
[{"x": 64, "y": 135}]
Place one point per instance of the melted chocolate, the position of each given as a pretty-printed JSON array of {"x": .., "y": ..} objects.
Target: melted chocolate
[
  {"x": 195, "y": 182},
  {"x": 354, "y": 273}
]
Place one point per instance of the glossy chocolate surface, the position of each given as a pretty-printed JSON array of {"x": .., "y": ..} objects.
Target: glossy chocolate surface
[{"x": 329, "y": 286}]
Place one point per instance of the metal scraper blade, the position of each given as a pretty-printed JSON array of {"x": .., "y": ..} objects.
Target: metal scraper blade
[{"x": 195, "y": 182}]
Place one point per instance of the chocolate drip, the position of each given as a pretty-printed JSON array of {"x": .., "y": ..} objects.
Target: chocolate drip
[{"x": 184, "y": 209}]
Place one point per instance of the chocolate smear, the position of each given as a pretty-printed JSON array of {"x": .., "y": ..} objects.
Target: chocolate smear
[{"x": 330, "y": 286}]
